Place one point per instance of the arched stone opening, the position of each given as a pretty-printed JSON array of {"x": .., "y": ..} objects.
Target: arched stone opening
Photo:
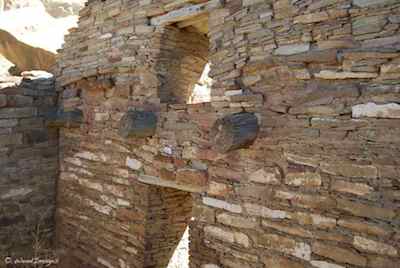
[
  {"x": 182, "y": 68},
  {"x": 182, "y": 65}
]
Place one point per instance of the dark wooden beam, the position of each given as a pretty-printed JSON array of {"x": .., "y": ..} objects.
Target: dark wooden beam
[
  {"x": 234, "y": 132},
  {"x": 64, "y": 119},
  {"x": 138, "y": 124}
]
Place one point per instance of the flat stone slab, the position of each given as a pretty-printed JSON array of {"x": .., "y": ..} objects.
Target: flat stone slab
[
  {"x": 390, "y": 110},
  {"x": 171, "y": 184}
]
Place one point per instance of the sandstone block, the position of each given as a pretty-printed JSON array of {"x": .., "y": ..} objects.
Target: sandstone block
[
  {"x": 133, "y": 163},
  {"x": 91, "y": 184},
  {"x": 218, "y": 189},
  {"x": 212, "y": 202},
  {"x": 287, "y": 50},
  {"x": 204, "y": 213},
  {"x": 101, "y": 116},
  {"x": 306, "y": 179},
  {"x": 360, "y": 189},
  {"x": 341, "y": 43},
  {"x": 283, "y": 9},
  {"x": 192, "y": 176},
  {"x": 257, "y": 210},
  {"x": 227, "y": 236},
  {"x": 266, "y": 175},
  {"x": 104, "y": 209},
  {"x": 210, "y": 265},
  {"x": 363, "y": 227},
  {"x": 144, "y": 29},
  {"x": 362, "y": 210},
  {"x": 106, "y": 36},
  {"x": 302, "y": 74},
  {"x": 350, "y": 170},
  {"x": 392, "y": 67},
  {"x": 291, "y": 230},
  {"x": 368, "y": 245},
  {"x": 313, "y": 219},
  {"x": 381, "y": 262},
  {"x": 339, "y": 254},
  {"x": 284, "y": 245},
  {"x": 307, "y": 200},
  {"x": 324, "y": 264},
  {"x": 251, "y": 2},
  {"x": 389, "y": 110},
  {"x": 251, "y": 80},
  {"x": 381, "y": 42},
  {"x": 237, "y": 221},
  {"x": 91, "y": 156},
  {"x": 315, "y": 56},
  {"x": 128, "y": 214},
  {"x": 369, "y": 3},
  {"x": 152, "y": 180},
  {"x": 302, "y": 160},
  {"x": 370, "y": 24},
  {"x": 105, "y": 263},
  {"x": 332, "y": 75},
  {"x": 312, "y": 17}
]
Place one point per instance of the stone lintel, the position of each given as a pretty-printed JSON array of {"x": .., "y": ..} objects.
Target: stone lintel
[
  {"x": 171, "y": 184},
  {"x": 185, "y": 13}
]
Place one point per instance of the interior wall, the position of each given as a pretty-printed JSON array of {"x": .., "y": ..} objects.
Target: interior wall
[{"x": 28, "y": 166}]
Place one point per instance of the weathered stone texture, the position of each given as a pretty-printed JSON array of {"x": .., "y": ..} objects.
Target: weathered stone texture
[
  {"x": 317, "y": 188},
  {"x": 28, "y": 166}
]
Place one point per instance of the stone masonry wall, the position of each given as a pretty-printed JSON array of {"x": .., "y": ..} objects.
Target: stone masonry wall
[
  {"x": 28, "y": 166},
  {"x": 318, "y": 188}
]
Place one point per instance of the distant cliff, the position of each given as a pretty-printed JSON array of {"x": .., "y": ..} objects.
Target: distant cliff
[{"x": 25, "y": 57}]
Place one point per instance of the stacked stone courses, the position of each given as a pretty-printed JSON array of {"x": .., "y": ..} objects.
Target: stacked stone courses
[
  {"x": 316, "y": 183},
  {"x": 319, "y": 187},
  {"x": 28, "y": 165}
]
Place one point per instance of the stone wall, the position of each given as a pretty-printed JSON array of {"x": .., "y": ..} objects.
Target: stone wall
[
  {"x": 318, "y": 188},
  {"x": 28, "y": 166}
]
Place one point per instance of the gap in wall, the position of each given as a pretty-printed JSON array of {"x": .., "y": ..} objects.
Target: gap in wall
[{"x": 201, "y": 92}]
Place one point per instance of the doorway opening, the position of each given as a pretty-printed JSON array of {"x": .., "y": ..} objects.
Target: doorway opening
[
  {"x": 183, "y": 69},
  {"x": 167, "y": 228}
]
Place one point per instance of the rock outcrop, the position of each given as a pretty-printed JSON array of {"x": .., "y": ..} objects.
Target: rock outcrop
[{"x": 25, "y": 57}]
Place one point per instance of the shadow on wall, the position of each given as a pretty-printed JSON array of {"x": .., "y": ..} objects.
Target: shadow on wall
[
  {"x": 25, "y": 57},
  {"x": 181, "y": 64}
]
